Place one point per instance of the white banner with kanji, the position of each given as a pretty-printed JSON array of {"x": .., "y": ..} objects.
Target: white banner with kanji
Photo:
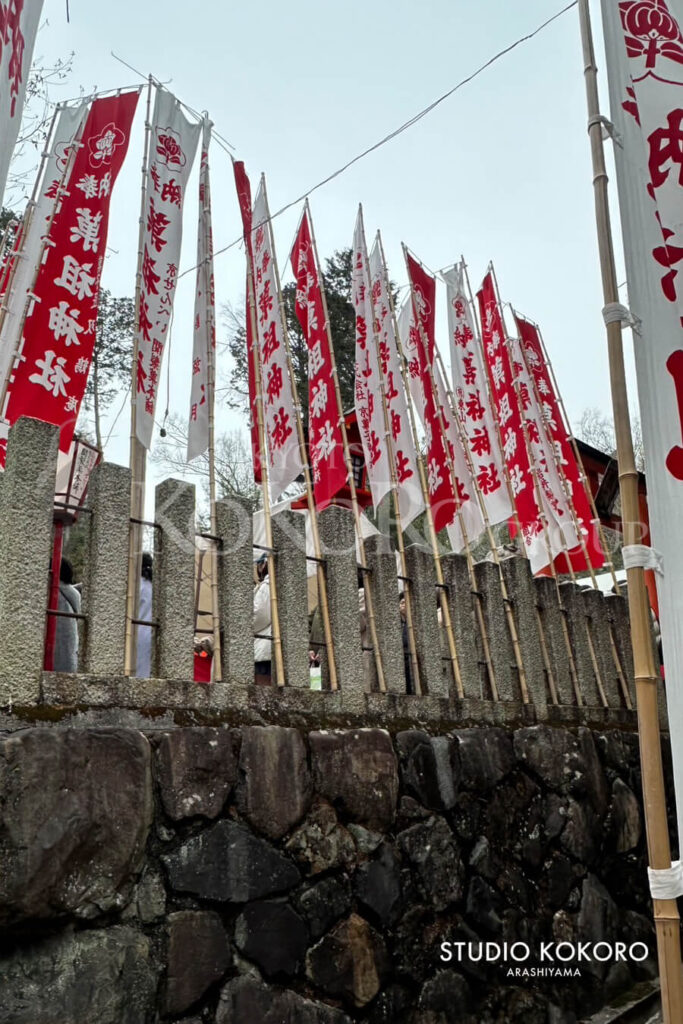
[
  {"x": 30, "y": 241},
  {"x": 644, "y": 46},
  {"x": 403, "y": 444},
  {"x": 204, "y": 338},
  {"x": 473, "y": 401},
  {"x": 19, "y": 20},
  {"x": 369, "y": 405},
  {"x": 172, "y": 147},
  {"x": 279, "y": 415}
]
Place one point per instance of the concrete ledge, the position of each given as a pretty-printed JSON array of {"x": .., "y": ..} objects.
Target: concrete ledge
[{"x": 177, "y": 701}]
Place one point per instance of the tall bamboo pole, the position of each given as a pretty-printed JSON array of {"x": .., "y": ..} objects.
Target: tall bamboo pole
[
  {"x": 667, "y": 923},
  {"x": 443, "y": 597},
  {"x": 210, "y": 320},
  {"x": 137, "y": 450},
  {"x": 412, "y": 648},
  {"x": 369, "y": 604},
  {"x": 509, "y": 614},
  {"x": 303, "y": 453},
  {"x": 478, "y": 599},
  {"x": 547, "y": 663},
  {"x": 263, "y": 459}
]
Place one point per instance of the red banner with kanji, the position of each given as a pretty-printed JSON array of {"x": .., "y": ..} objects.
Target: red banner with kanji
[
  {"x": 59, "y": 334},
  {"x": 515, "y": 455},
  {"x": 439, "y": 477},
  {"x": 243, "y": 186},
  {"x": 325, "y": 441},
  {"x": 551, "y": 414}
]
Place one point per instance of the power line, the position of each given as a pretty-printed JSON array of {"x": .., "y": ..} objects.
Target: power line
[{"x": 404, "y": 127}]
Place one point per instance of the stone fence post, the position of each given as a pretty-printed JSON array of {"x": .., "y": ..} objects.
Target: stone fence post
[
  {"x": 173, "y": 585},
  {"x": 289, "y": 541},
  {"x": 338, "y": 541},
  {"x": 383, "y": 583},
  {"x": 26, "y": 516},
  {"x": 236, "y": 590}
]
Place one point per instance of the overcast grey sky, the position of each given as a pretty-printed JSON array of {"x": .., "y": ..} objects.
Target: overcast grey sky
[{"x": 499, "y": 171}]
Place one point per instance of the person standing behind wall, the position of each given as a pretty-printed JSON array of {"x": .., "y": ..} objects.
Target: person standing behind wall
[
  {"x": 143, "y": 667},
  {"x": 263, "y": 647}
]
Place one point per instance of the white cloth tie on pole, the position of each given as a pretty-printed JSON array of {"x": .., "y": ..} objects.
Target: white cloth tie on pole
[
  {"x": 666, "y": 883},
  {"x": 607, "y": 128},
  {"x": 640, "y": 556},
  {"x": 616, "y": 313}
]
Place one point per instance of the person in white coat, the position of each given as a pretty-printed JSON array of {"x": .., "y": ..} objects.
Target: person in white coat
[{"x": 263, "y": 647}]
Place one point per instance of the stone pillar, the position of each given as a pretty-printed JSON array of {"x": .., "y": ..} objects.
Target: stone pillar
[
  {"x": 463, "y": 618},
  {"x": 551, "y": 617},
  {"x": 174, "y": 580},
  {"x": 422, "y": 573},
  {"x": 523, "y": 597},
  {"x": 500, "y": 644},
  {"x": 289, "y": 540},
  {"x": 337, "y": 538},
  {"x": 617, "y": 611},
  {"x": 578, "y": 631},
  {"x": 26, "y": 516},
  {"x": 599, "y": 626},
  {"x": 106, "y": 573},
  {"x": 383, "y": 583},
  {"x": 236, "y": 590}
]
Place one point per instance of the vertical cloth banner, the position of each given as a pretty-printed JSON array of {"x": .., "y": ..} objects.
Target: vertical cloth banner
[
  {"x": 243, "y": 187},
  {"x": 551, "y": 414},
  {"x": 325, "y": 439},
  {"x": 173, "y": 143},
  {"x": 516, "y": 458},
  {"x": 473, "y": 401},
  {"x": 279, "y": 414},
  {"x": 410, "y": 498},
  {"x": 19, "y": 20},
  {"x": 368, "y": 391},
  {"x": 59, "y": 333},
  {"x": 644, "y": 48},
  {"x": 562, "y": 534},
  {"x": 204, "y": 338},
  {"x": 28, "y": 248}
]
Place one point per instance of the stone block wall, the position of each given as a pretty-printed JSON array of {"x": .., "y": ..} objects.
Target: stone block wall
[{"x": 263, "y": 874}]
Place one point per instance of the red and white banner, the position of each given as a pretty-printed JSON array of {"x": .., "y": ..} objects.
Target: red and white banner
[
  {"x": 19, "y": 20},
  {"x": 59, "y": 334},
  {"x": 28, "y": 249},
  {"x": 644, "y": 47},
  {"x": 420, "y": 354},
  {"x": 515, "y": 454},
  {"x": 243, "y": 187},
  {"x": 324, "y": 415},
  {"x": 204, "y": 340},
  {"x": 470, "y": 389},
  {"x": 279, "y": 414},
  {"x": 172, "y": 147},
  {"x": 558, "y": 435},
  {"x": 369, "y": 405},
  {"x": 403, "y": 444},
  {"x": 562, "y": 533}
]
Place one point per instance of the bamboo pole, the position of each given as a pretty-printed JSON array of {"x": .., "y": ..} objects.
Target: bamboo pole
[
  {"x": 263, "y": 458},
  {"x": 369, "y": 604},
  {"x": 137, "y": 451},
  {"x": 509, "y": 614},
  {"x": 667, "y": 922},
  {"x": 210, "y": 320},
  {"x": 47, "y": 241},
  {"x": 412, "y": 648},
  {"x": 478, "y": 599},
  {"x": 547, "y": 663},
  {"x": 310, "y": 498},
  {"x": 441, "y": 587}
]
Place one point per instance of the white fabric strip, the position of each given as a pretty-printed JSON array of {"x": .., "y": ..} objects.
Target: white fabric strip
[
  {"x": 666, "y": 883},
  {"x": 616, "y": 313},
  {"x": 640, "y": 556}
]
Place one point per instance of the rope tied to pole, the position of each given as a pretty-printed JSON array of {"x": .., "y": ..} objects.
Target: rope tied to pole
[
  {"x": 640, "y": 556},
  {"x": 617, "y": 313}
]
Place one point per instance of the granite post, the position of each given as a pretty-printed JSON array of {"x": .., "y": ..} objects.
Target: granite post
[{"x": 174, "y": 580}]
